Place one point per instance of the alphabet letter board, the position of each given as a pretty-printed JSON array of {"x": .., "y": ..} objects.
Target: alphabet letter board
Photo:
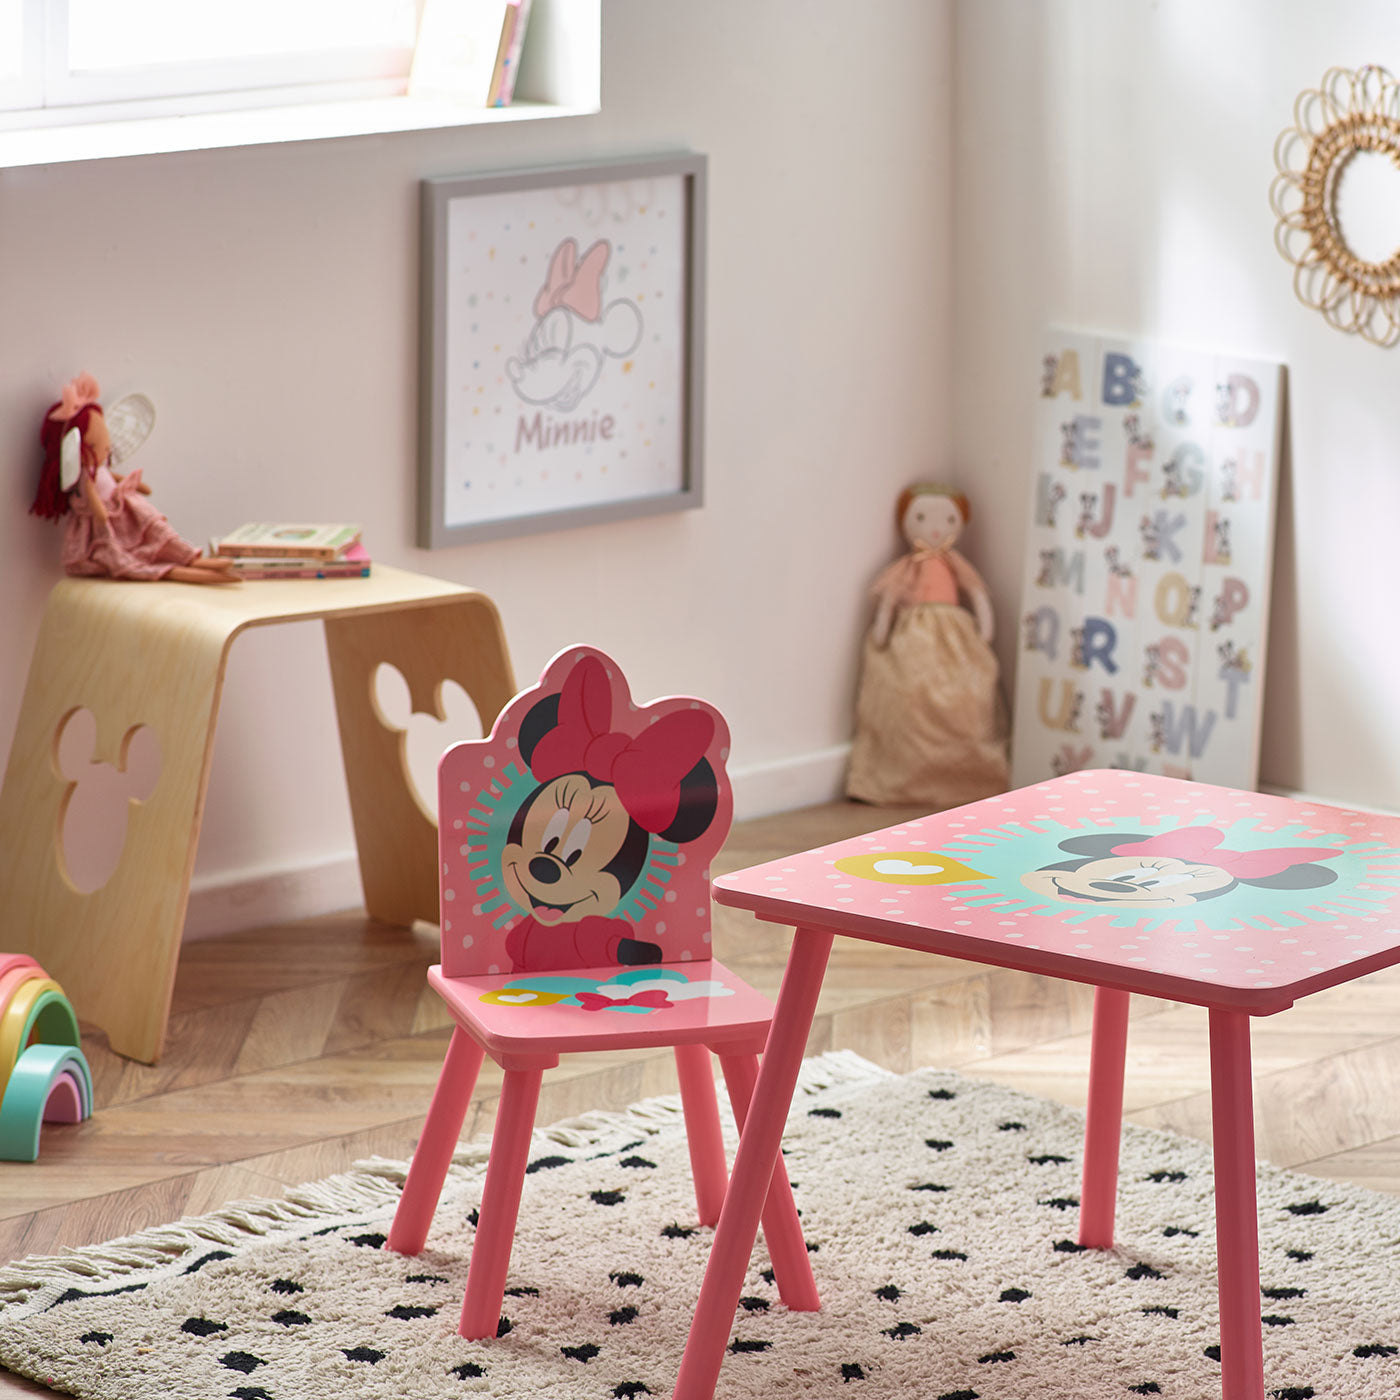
[{"x": 1146, "y": 598}]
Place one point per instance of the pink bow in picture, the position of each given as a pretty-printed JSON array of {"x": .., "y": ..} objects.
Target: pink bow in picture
[
  {"x": 1201, "y": 846},
  {"x": 574, "y": 282},
  {"x": 652, "y": 1000}
]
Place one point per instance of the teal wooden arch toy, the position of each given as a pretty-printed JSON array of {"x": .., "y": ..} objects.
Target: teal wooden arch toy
[{"x": 44, "y": 1075}]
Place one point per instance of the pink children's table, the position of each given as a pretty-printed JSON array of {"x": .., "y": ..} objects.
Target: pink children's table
[{"x": 1231, "y": 900}]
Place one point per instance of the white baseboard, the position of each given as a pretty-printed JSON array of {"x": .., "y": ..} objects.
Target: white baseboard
[
  {"x": 785, "y": 784},
  {"x": 242, "y": 899},
  {"x": 1310, "y": 797},
  {"x": 252, "y": 898}
]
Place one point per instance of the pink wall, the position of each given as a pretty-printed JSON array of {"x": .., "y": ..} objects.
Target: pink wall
[
  {"x": 1112, "y": 172},
  {"x": 266, "y": 299}
]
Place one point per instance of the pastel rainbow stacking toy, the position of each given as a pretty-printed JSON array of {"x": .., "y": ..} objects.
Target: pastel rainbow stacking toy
[{"x": 44, "y": 1075}]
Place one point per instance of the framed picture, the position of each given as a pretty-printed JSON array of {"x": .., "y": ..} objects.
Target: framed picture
[{"x": 562, "y": 347}]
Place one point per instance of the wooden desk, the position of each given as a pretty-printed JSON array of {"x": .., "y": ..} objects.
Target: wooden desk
[
  {"x": 153, "y": 654},
  {"x": 1231, "y": 900}
]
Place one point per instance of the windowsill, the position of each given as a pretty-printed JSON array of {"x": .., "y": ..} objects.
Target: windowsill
[{"x": 257, "y": 127}]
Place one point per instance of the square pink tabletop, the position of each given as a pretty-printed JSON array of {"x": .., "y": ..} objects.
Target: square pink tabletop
[{"x": 1148, "y": 884}]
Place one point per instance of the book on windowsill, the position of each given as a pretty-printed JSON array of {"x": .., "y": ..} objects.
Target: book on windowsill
[
  {"x": 353, "y": 562},
  {"x": 508, "y": 57},
  {"x": 273, "y": 541}
]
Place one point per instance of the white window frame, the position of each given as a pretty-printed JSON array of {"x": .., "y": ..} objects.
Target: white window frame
[
  {"x": 563, "y": 78},
  {"x": 49, "y": 92},
  {"x": 25, "y": 90}
]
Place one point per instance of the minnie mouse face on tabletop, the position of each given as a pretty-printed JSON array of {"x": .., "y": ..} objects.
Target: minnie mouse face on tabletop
[{"x": 1174, "y": 868}]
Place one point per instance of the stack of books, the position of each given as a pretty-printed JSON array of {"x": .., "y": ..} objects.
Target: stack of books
[{"x": 262, "y": 551}]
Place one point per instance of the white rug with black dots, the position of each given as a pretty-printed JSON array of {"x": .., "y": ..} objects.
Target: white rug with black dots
[{"x": 941, "y": 1216}]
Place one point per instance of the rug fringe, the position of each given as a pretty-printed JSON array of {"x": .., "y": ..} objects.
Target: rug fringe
[
  {"x": 347, "y": 1195},
  {"x": 366, "y": 1187}
]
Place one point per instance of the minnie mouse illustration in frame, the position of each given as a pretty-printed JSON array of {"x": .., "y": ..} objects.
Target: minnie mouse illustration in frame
[{"x": 579, "y": 834}]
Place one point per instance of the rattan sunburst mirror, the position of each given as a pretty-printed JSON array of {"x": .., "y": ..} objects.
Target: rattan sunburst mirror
[{"x": 1351, "y": 113}]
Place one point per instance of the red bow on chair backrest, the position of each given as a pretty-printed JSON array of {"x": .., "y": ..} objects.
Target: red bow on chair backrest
[{"x": 645, "y": 769}]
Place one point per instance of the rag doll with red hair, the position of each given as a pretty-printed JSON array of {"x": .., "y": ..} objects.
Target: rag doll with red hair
[
  {"x": 931, "y": 723},
  {"x": 111, "y": 530}
]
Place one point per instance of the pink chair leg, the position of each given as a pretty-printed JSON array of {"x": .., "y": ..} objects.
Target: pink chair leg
[
  {"x": 1103, "y": 1129},
  {"x": 792, "y": 1265},
  {"x": 702, "y": 1131},
  {"x": 753, "y": 1167},
  {"x": 1236, "y": 1207},
  {"x": 443, "y": 1127},
  {"x": 500, "y": 1203}
]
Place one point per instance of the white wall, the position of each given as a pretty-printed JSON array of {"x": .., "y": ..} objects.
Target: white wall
[
  {"x": 1112, "y": 171},
  {"x": 266, "y": 299}
]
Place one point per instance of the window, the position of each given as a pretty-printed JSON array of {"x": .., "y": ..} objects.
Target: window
[
  {"x": 91, "y": 79},
  {"x": 57, "y": 54},
  {"x": 21, "y": 54}
]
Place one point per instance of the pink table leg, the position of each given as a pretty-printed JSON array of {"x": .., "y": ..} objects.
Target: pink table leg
[
  {"x": 702, "y": 1131},
  {"x": 1103, "y": 1130},
  {"x": 753, "y": 1166},
  {"x": 787, "y": 1247},
  {"x": 1236, "y": 1208}
]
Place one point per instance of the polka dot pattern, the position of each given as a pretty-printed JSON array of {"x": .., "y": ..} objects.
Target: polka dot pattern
[
  {"x": 1306, "y": 895},
  {"x": 941, "y": 1213}
]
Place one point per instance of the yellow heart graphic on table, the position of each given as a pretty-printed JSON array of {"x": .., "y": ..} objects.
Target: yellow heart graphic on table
[
  {"x": 905, "y": 867},
  {"x": 908, "y": 868}
]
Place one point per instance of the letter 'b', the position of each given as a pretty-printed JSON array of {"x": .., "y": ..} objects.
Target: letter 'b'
[{"x": 1120, "y": 377}]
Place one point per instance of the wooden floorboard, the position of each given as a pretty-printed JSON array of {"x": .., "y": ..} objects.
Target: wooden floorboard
[{"x": 296, "y": 1050}]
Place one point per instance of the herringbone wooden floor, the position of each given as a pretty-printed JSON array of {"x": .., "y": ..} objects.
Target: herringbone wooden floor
[{"x": 297, "y": 1049}]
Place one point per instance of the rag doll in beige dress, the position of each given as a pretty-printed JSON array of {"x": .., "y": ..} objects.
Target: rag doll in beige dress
[{"x": 930, "y": 719}]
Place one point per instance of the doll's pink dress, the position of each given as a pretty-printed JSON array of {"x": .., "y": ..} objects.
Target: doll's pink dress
[
  {"x": 140, "y": 543},
  {"x": 930, "y": 719}
]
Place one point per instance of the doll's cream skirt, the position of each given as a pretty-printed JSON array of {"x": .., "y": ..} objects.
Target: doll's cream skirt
[{"x": 930, "y": 719}]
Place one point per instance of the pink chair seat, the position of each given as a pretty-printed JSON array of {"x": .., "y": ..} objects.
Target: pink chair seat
[{"x": 602, "y": 1008}]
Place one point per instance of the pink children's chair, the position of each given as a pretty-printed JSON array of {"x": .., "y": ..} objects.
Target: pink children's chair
[{"x": 575, "y": 844}]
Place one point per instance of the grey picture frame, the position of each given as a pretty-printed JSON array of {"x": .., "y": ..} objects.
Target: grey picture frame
[{"x": 445, "y": 297}]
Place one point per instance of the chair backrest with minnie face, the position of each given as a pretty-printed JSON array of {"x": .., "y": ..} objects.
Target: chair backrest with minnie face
[{"x": 580, "y": 832}]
